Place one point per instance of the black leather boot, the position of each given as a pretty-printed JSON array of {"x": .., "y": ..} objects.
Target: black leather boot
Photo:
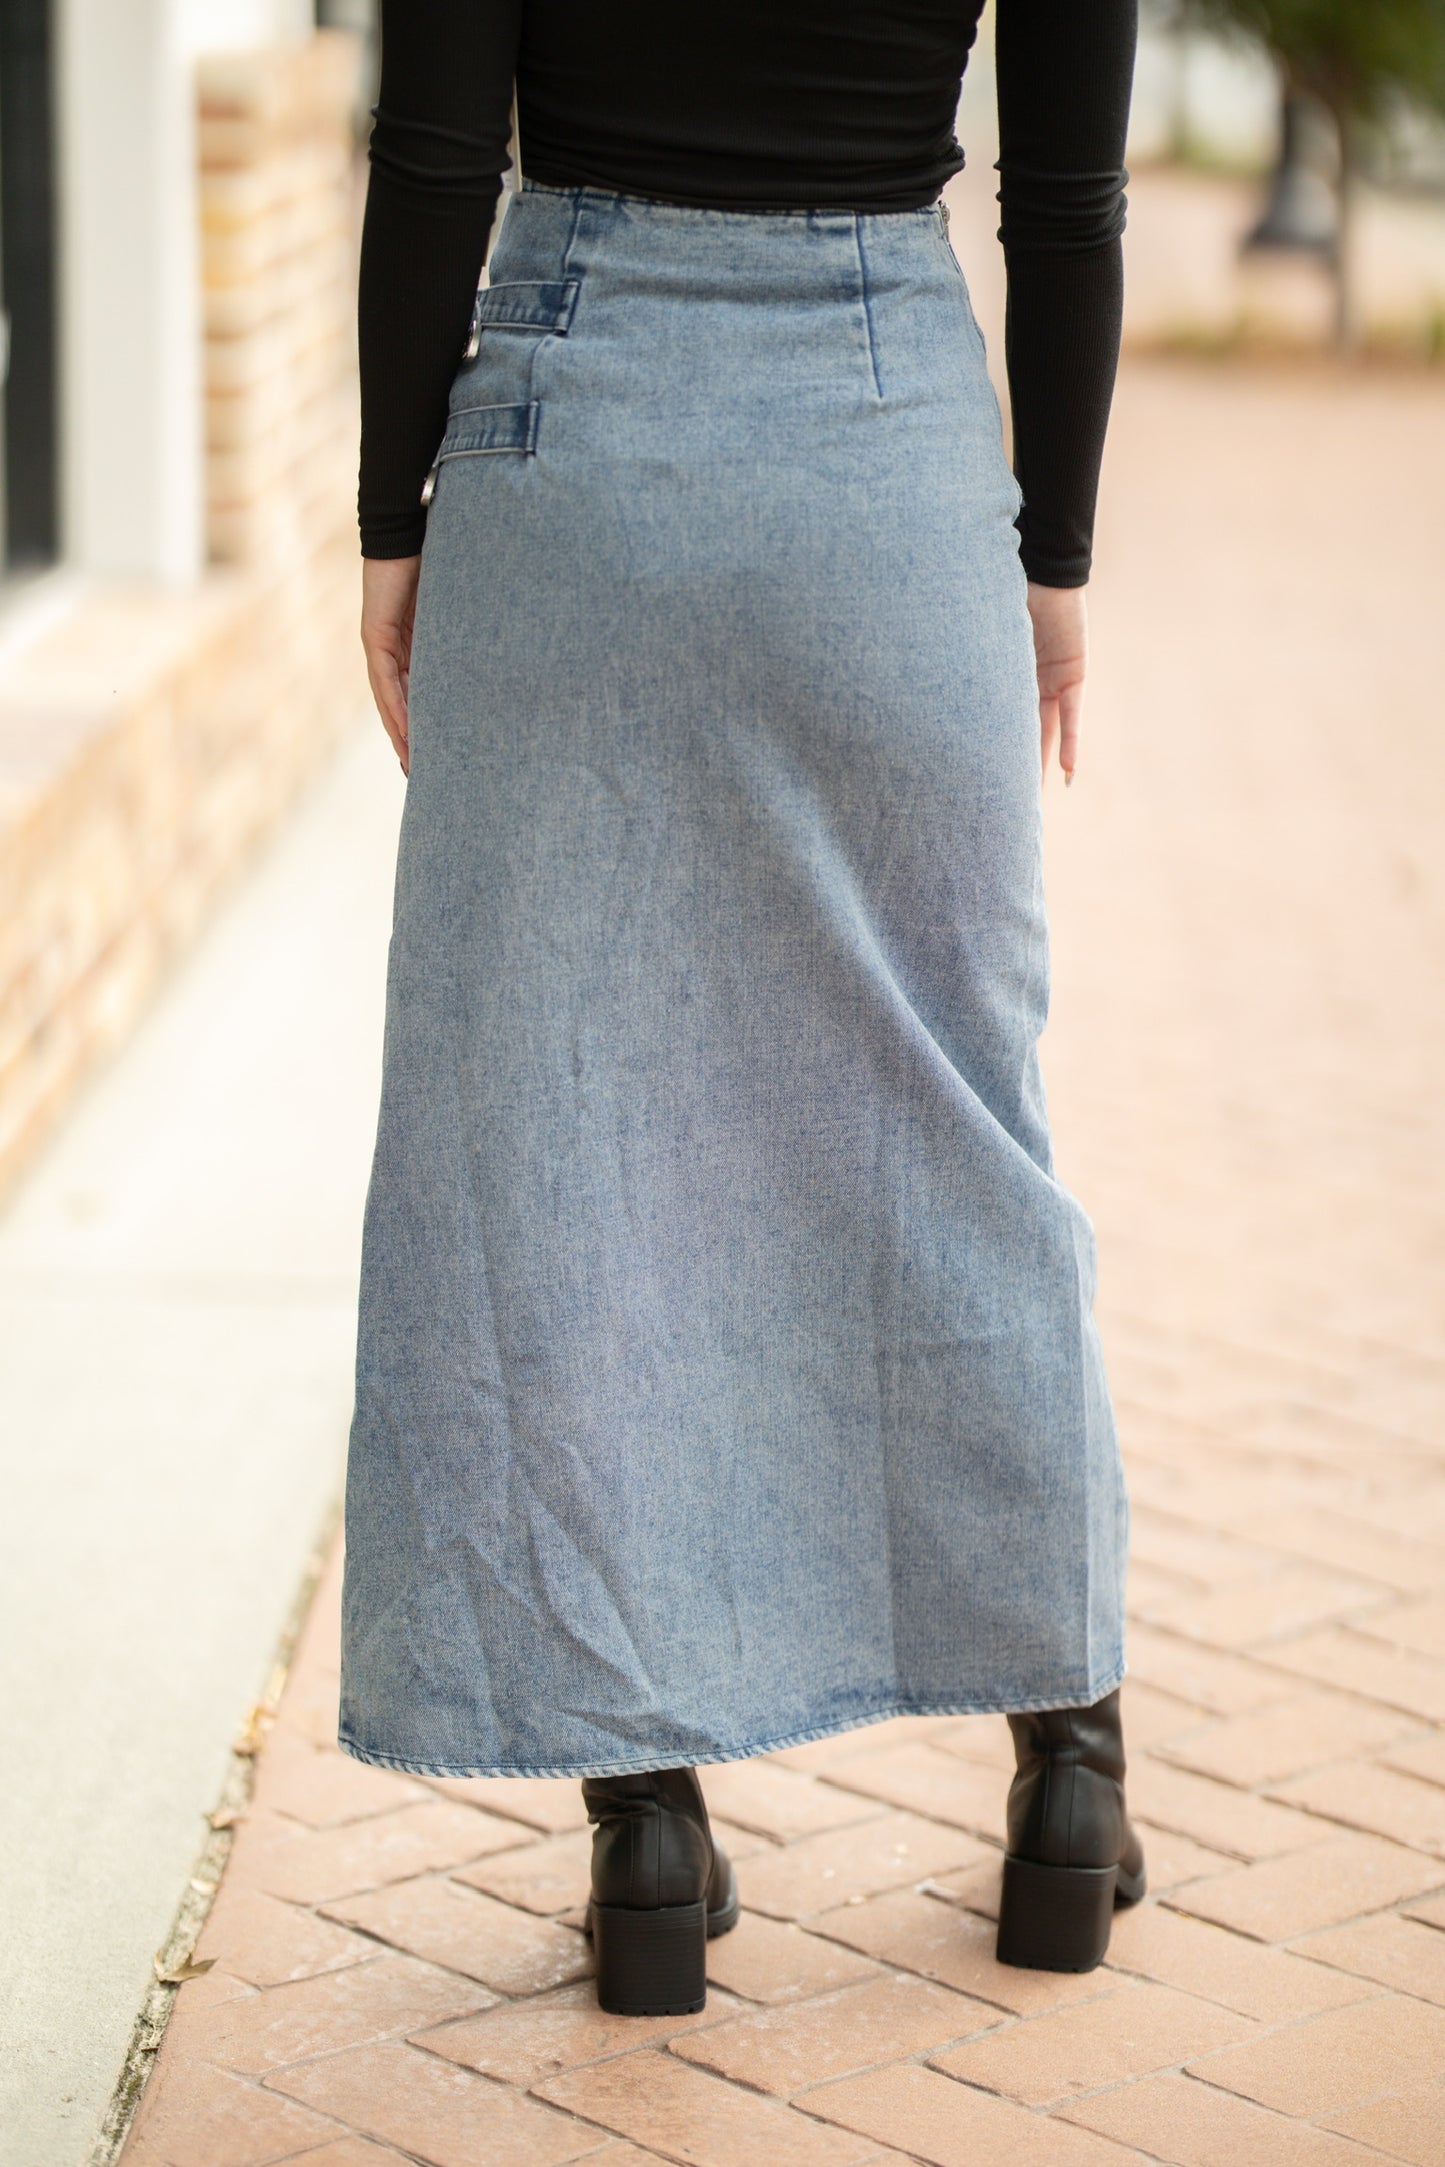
[
  {"x": 1072, "y": 1855},
  {"x": 660, "y": 1887}
]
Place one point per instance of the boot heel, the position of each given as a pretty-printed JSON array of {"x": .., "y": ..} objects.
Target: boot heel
[
  {"x": 1055, "y": 1918},
  {"x": 651, "y": 1963}
]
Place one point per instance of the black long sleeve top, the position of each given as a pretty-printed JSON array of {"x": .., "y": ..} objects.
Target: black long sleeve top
[{"x": 759, "y": 104}]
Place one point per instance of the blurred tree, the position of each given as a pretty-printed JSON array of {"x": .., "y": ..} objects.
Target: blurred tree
[{"x": 1359, "y": 58}]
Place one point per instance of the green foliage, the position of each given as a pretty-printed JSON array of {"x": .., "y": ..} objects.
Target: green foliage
[{"x": 1358, "y": 55}]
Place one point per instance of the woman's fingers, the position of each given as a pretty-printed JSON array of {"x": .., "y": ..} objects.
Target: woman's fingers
[
  {"x": 388, "y": 689},
  {"x": 388, "y": 611},
  {"x": 1061, "y": 644},
  {"x": 1048, "y": 729},
  {"x": 1071, "y": 718}
]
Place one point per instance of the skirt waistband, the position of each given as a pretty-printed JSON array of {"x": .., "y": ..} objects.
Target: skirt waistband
[{"x": 935, "y": 213}]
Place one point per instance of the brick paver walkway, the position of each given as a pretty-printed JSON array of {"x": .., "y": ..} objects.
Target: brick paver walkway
[{"x": 1245, "y": 1065}]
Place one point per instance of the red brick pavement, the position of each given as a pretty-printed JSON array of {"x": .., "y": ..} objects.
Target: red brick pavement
[{"x": 1245, "y": 1062}]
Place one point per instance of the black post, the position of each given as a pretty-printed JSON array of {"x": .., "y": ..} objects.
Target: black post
[
  {"x": 1300, "y": 212},
  {"x": 28, "y": 267}
]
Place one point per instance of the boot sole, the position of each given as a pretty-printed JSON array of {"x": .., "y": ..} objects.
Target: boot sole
[
  {"x": 1057, "y": 1918},
  {"x": 654, "y": 1963}
]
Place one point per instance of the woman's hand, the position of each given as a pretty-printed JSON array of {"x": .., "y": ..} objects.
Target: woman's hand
[
  {"x": 388, "y": 609},
  {"x": 1061, "y": 652}
]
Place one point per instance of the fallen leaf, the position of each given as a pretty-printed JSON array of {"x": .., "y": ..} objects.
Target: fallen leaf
[
  {"x": 177, "y": 1974},
  {"x": 252, "y": 1734}
]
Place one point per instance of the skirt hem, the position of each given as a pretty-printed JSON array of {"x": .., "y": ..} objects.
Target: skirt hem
[{"x": 638, "y": 1764}]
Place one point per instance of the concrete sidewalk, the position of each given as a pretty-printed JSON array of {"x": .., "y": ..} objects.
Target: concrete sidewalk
[
  {"x": 177, "y": 1296},
  {"x": 1245, "y": 1063}
]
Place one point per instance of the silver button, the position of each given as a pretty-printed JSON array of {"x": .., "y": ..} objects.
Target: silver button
[
  {"x": 474, "y": 342},
  {"x": 429, "y": 487}
]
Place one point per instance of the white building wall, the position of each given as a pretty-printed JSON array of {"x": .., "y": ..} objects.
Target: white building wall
[{"x": 131, "y": 394}]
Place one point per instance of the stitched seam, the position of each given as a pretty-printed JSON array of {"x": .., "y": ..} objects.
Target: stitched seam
[
  {"x": 548, "y": 336},
  {"x": 664, "y": 205},
  {"x": 867, "y": 303},
  {"x": 745, "y": 1750},
  {"x": 479, "y": 451},
  {"x": 526, "y": 443},
  {"x": 557, "y": 323}
]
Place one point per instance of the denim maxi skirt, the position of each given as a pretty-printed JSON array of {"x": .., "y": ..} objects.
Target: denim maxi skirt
[{"x": 727, "y": 1372}]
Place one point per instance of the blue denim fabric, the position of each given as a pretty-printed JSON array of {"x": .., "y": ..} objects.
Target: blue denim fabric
[{"x": 727, "y": 1373}]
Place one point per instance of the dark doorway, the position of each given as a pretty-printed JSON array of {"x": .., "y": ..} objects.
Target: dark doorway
[{"x": 28, "y": 283}]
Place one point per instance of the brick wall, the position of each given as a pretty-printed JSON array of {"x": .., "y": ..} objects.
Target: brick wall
[
  {"x": 277, "y": 247},
  {"x": 151, "y": 740}
]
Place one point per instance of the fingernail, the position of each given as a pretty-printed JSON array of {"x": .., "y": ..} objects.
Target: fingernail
[{"x": 1068, "y": 777}]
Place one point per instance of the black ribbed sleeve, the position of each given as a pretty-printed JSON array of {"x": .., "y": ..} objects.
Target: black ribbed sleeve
[
  {"x": 438, "y": 150},
  {"x": 1065, "y": 73}
]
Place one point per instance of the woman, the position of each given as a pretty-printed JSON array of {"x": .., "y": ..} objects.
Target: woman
[{"x": 727, "y": 1373}]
